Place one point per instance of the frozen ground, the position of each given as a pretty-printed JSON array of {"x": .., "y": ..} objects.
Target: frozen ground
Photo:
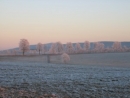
[{"x": 86, "y": 75}]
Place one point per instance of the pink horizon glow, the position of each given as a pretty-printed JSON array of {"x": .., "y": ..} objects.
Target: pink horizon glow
[{"x": 64, "y": 21}]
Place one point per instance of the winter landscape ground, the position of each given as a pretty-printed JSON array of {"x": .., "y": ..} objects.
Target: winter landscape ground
[{"x": 105, "y": 75}]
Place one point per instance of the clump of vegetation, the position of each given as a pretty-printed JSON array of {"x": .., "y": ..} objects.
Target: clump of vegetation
[{"x": 65, "y": 58}]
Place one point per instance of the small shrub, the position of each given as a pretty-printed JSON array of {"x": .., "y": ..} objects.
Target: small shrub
[{"x": 65, "y": 58}]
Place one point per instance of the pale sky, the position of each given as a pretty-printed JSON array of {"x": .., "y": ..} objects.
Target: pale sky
[{"x": 48, "y": 21}]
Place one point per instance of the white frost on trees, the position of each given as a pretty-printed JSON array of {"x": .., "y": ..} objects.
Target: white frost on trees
[
  {"x": 125, "y": 48},
  {"x": 86, "y": 46},
  {"x": 45, "y": 49},
  {"x": 24, "y": 45},
  {"x": 98, "y": 47},
  {"x": 60, "y": 48},
  {"x": 78, "y": 48},
  {"x": 53, "y": 49},
  {"x": 65, "y": 58},
  {"x": 117, "y": 46},
  {"x": 39, "y": 47},
  {"x": 70, "y": 48},
  {"x": 108, "y": 49},
  {"x": 56, "y": 48}
]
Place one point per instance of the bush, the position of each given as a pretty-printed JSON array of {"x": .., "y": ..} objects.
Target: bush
[{"x": 65, "y": 58}]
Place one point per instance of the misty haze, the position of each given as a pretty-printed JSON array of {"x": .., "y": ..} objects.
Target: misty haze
[{"x": 64, "y": 49}]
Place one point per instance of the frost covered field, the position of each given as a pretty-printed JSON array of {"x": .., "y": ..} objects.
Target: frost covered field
[{"x": 86, "y": 76}]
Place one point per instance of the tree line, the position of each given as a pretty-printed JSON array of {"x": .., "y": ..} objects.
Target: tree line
[{"x": 69, "y": 48}]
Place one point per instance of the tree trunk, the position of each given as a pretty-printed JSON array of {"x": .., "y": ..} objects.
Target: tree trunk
[
  {"x": 48, "y": 58},
  {"x": 23, "y": 52}
]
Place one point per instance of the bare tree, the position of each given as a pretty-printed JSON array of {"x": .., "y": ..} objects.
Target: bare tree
[
  {"x": 117, "y": 46},
  {"x": 60, "y": 48},
  {"x": 53, "y": 49},
  {"x": 107, "y": 49},
  {"x": 125, "y": 48},
  {"x": 78, "y": 48},
  {"x": 86, "y": 46},
  {"x": 70, "y": 47},
  {"x": 24, "y": 45},
  {"x": 39, "y": 47},
  {"x": 65, "y": 58},
  {"x": 45, "y": 49},
  {"x": 98, "y": 47}
]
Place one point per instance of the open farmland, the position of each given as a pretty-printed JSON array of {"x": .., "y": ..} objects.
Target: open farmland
[{"x": 85, "y": 76}]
